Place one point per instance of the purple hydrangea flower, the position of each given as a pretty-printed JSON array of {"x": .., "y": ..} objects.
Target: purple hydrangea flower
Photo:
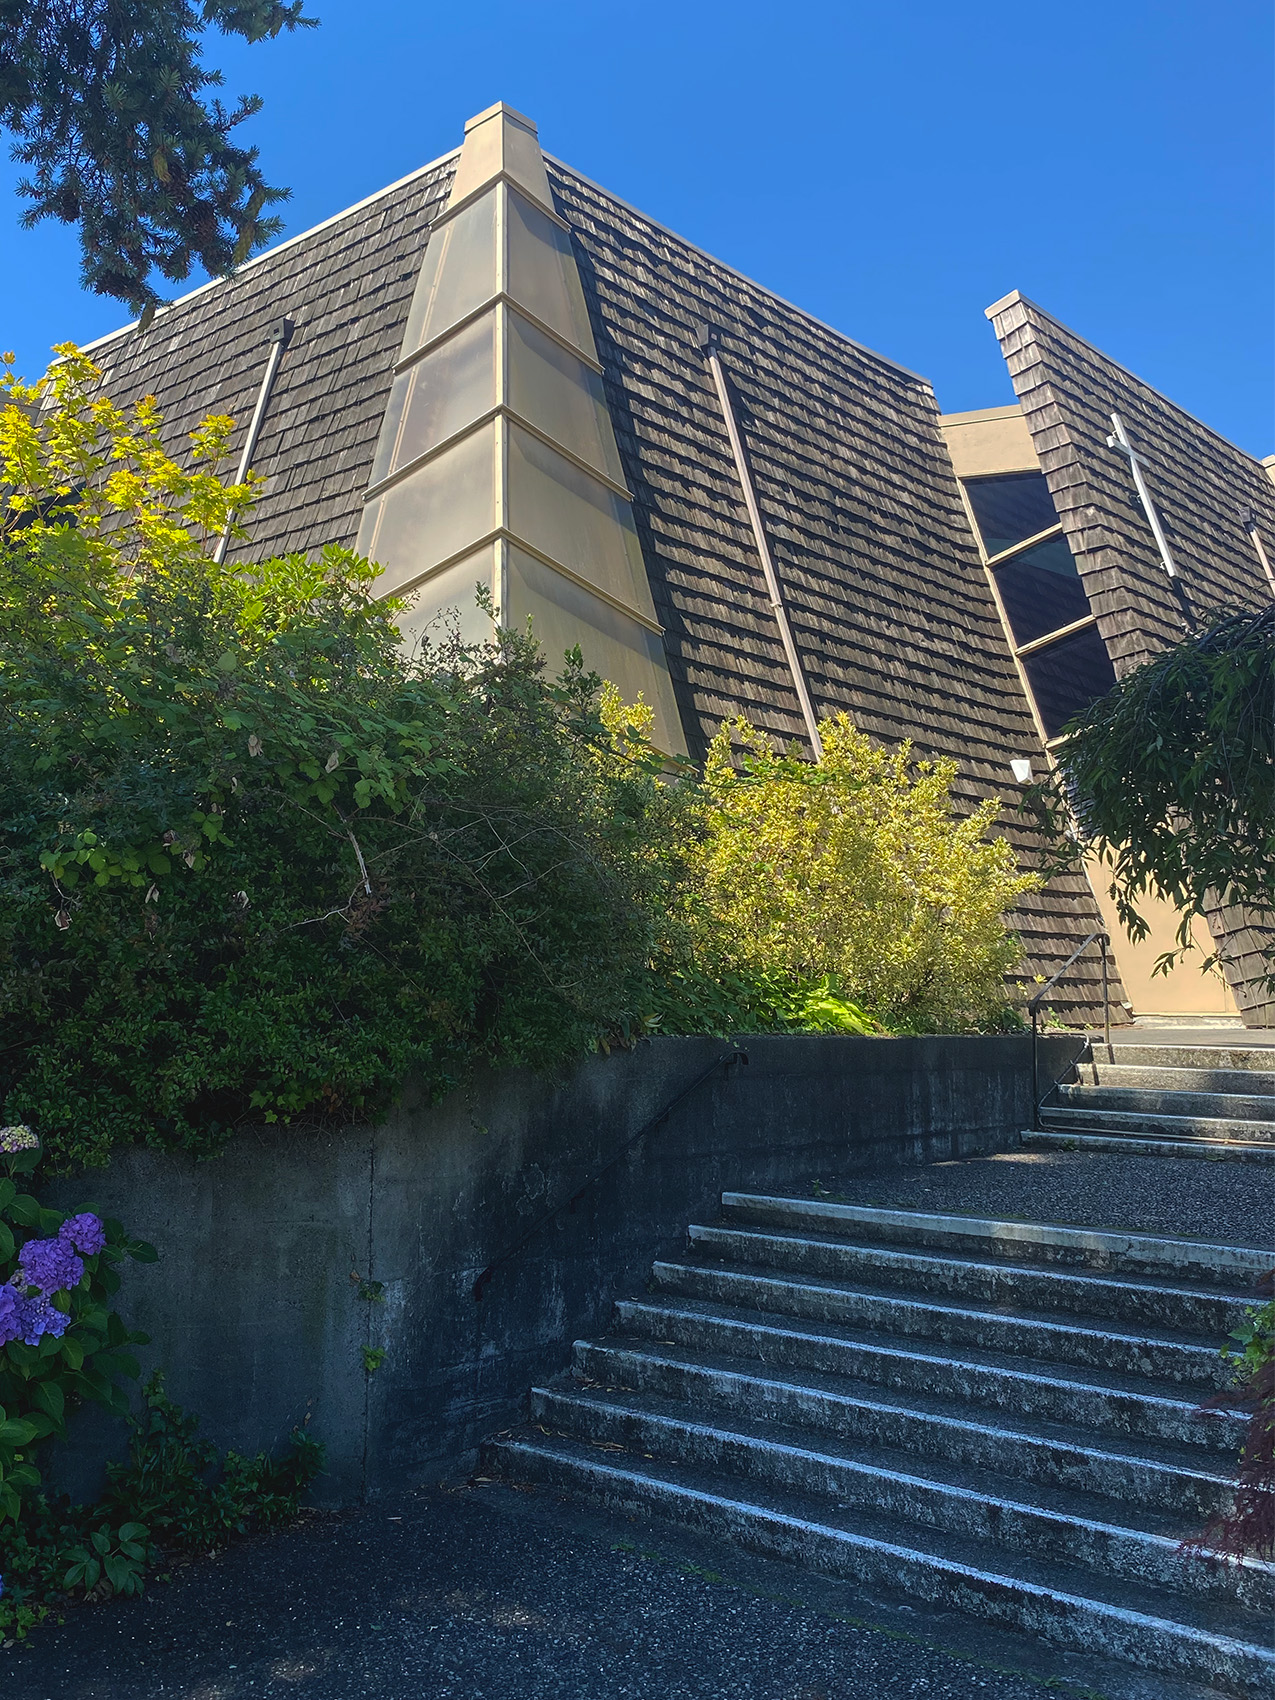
[
  {"x": 37, "y": 1317},
  {"x": 50, "y": 1265},
  {"x": 11, "y": 1319},
  {"x": 85, "y": 1232},
  {"x": 15, "y": 1138}
]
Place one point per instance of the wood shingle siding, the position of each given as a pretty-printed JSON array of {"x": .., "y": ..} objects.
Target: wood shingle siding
[{"x": 888, "y": 601}]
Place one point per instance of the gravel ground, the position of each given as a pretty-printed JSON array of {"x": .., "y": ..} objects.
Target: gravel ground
[
  {"x": 487, "y": 1594},
  {"x": 1232, "y": 1203}
]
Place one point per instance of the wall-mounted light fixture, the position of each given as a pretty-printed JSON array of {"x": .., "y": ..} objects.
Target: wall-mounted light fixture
[{"x": 1021, "y": 768}]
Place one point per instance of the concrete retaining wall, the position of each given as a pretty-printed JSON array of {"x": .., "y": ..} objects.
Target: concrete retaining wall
[{"x": 255, "y": 1315}]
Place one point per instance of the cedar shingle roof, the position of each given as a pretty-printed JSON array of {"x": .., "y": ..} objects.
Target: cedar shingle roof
[{"x": 887, "y": 598}]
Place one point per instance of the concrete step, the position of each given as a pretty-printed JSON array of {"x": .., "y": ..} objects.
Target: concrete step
[
  {"x": 1154, "y": 1103},
  {"x": 1252, "y": 1058},
  {"x": 1198, "y": 1261},
  {"x": 1193, "y": 1363},
  {"x": 1179, "y": 1482},
  {"x": 1186, "y": 1638},
  {"x": 1233, "y": 1267},
  {"x": 1073, "y": 1528},
  {"x": 1165, "y": 1126},
  {"x": 1068, "y": 1138},
  {"x": 1089, "y": 1398},
  {"x": 1199, "y": 1311},
  {"x": 1100, "y": 1072}
]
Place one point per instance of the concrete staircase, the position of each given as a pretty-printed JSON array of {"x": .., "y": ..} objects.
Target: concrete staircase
[
  {"x": 1166, "y": 1101},
  {"x": 999, "y": 1418}
]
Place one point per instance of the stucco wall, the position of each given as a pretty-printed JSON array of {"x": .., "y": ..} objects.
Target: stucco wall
[{"x": 255, "y": 1317}]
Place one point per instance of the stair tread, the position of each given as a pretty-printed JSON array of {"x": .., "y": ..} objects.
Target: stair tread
[
  {"x": 1062, "y": 1279},
  {"x": 935, "y": 1472},
  {"x": 977, "y": 1357},
  {"x": 1073, "y": 1322},
  {"x": 1114, "y": 1242},
  {"x": 1209, "y": 1621},
  {"x": 1215, "y": 1127},
  {"x": 1133, "y": 1140},
  {"x": 1200, "y": 1461}
]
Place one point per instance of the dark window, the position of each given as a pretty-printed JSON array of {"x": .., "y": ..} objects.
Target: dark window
[
  {"x": 1011, "y": 508},
  {"x": 1068, "y": 676},
  {"x": 1041, "y": 590}
]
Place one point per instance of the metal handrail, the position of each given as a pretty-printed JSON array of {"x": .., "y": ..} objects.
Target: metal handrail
[
  {"x": 1034, "y": 1010},
  {"x": 736, "y": 1054}
]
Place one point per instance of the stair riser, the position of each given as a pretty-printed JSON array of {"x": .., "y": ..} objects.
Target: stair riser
[
  {"x": 1152, "y": 1124},
  {"x": 1109, "y": 1551},
  {"x": 1200, "y": 1368},
  {"x": 1141, "y": 1102},
  {"x": 1066, "y": 1292},
  {"x": 1117, "y": 1413},
  {"x": 1175, "y": 1262},
  {"x": 1239, "y": 1080},
  {"x": 1062, "y": 1619},
  {"x": 1130, "y": 1145},
  {"x": 978, "y": 1444}
]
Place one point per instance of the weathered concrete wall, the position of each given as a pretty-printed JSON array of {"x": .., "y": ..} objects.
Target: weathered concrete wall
[{"x": 255, "y": 1317}]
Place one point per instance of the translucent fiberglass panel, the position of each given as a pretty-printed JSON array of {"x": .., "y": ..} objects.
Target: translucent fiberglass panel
[
  {"x": 1069, "y": 675},
  {"x": 1041, "y": 590},
  {"x": 542, "y": 272},
  {"x": 1011, "y": 508},
  {"x": 458, "y": 273},
  {"x": 561, "y": 396},
  {"x": 447, "y": 602},
  {"x": 564, "y": 614},
  {"x": 437, "y": 397},
  {"x": 434, "y": 512},
  {"x": 572, "y": 518}
]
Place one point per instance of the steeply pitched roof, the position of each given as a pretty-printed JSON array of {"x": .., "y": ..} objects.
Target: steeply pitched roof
[
  {"x": 1198, "y": 481},
  {"x": 888, "y": 601}
]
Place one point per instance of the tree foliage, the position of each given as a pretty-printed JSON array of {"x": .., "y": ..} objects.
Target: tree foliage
[
  {"x": 108, "y": 100},
  {"x": 858, "y": 874},
  {"x": 1171, "y": 776}
]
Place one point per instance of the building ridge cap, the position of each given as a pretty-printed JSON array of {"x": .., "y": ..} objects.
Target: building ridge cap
[
  {"x": 885, "y": 359},
  {"x": 1016, "y": 296},
  {"x": 279, "y": 247}
]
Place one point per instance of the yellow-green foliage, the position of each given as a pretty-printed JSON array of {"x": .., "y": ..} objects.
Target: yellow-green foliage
[{"x": 860, "y": 870}]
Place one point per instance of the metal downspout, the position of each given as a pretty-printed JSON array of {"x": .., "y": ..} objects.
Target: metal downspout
[
  {"x": 708, "y": 341},
  {"x": 1118, "y": 440},
  {"x": 279, "y": 334}
]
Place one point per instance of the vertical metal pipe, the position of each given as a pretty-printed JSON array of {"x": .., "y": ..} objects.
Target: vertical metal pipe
[
  {"x": 763, "y": 548},
  {"x": 278, "y": 342},
  {"x": 1120, "y": 441}
]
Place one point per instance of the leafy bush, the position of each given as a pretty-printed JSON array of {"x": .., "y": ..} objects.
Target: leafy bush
[
  {"x": 258, "y": 862},
  {"x": 60, "y": 1343},
  {"x": 62, "y": 1346},
  {"x": 174, "y": 1496},
  {"x": 1247, "y": 1528},
  {"x": 857, "y": 873}
]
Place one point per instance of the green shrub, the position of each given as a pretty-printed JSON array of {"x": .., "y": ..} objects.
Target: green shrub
[
  {"x": 173, "y": 1497},
  {"x": 257, "y": 863},
  {"x": 858, "y": 873}
]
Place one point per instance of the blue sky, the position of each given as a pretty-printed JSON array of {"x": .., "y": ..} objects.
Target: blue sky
[{"x": 892, "y": 168}]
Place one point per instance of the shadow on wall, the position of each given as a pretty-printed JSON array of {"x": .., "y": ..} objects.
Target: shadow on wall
[{"x": 290, "y": 1258}]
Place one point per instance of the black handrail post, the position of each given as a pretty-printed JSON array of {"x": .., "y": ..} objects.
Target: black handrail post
[
  {"x": 1106, "y": 998},
  {"x": 1034, "y": 1006}
]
